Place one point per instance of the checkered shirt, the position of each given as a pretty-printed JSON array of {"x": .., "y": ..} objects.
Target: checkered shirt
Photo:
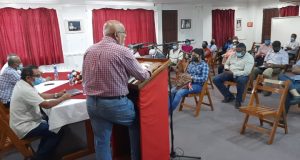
[
  {"x": 8, "y": 80},
  {"x": 198, "y": 71},
  {"x": 107, "y": 67}
]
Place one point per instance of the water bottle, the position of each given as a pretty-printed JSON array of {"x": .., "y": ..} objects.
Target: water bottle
[
  {"x": 55, "y": 72},
  {"x": 70, "y": 77}
]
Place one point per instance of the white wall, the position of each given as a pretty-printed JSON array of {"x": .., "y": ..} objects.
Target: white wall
[{"x": 74, "y": 45}]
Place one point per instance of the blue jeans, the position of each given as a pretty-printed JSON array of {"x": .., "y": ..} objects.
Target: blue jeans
[
  {"x": 48, "y": 143},
  {"x": 106, "y": 112},
  {"x": 177, "y": 95},
  {"x": 228, "y": 76},
  {"x": 293, "y": 85}
]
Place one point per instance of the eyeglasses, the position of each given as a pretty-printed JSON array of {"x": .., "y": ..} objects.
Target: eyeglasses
[{"x": 123, "y": 32}]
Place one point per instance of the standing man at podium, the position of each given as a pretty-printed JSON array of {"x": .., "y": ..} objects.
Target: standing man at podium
[{"x": 107, "y": 66}]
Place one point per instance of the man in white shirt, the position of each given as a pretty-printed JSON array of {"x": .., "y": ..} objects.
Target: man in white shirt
[
  {"x": 175, "y": 54},
  {"x": 25, "y": 113},
  {"x": 292, "y": 47}
]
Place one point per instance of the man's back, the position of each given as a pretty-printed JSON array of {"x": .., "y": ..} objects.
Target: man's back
[
  {"x": 107, "y": 67},
  {"x": 7, "y": 82}
]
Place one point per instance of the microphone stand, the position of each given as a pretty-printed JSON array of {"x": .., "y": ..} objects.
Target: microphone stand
[{"x": 173, "y": 154}]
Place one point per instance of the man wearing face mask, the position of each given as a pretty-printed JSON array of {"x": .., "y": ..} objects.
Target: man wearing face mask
[
  {"x": 8, "y": 79},
  {"x": 26, "y": 119},
  {"x": 237, "y": 68},
  {"x": 274, "y": 63},
  {"x": 225, "y": 56},
  {"x": 107, "y": 67},
  {"x": 154, "y": 53},
  {"x": 175, "y": 54},
  {"x": 187, "y": 48},
  {"x": 198, "y": 69},
  {"x": 292, "y": 47},
  {"x": 262, "y": 52}
]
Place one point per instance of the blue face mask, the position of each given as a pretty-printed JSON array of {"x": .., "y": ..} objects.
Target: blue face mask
[
  {"x": 38, "y": 81},
  {"x": 267, "y": 42},
  {"x": 175, "y": 47},
  {"x": 187, "y": 43},
  {"x": 239, "y": 54}
]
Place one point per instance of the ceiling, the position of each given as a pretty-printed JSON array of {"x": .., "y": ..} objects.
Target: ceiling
[{"x": 99, "y": 1}]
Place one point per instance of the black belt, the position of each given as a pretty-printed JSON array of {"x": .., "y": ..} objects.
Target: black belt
[{"x": 113, "y": 97}]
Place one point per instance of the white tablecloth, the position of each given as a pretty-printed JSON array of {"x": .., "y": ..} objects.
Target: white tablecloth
[{"x": 67, "y": 112}]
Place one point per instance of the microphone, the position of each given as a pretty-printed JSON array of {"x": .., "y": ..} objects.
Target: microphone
[{"x": 136, "y": 46}]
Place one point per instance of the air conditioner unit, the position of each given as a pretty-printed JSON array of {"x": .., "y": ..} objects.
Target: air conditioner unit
[{"x": 290, "y": 1}]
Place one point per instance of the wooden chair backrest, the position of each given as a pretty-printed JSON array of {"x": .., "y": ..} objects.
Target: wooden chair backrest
[
  {"x": 21, "y": 145},
  {"x": 270, "y": 85}
]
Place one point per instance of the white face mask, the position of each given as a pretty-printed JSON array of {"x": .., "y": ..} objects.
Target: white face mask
[{"x": 152, "y": 51}]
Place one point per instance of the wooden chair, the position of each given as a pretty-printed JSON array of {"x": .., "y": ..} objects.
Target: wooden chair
[
  {"x": 10, "y": 139},
  {"x": 204, "y": 92},
  {"x": 210, "y": 82},
  {"x": 211, "y": 64},
  {"x": 270, "y": 115}
]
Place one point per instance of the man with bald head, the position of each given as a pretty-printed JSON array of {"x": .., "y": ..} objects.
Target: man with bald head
[
  {"x": 107, "y": 66},
  {"x": 9, "y": 78}
]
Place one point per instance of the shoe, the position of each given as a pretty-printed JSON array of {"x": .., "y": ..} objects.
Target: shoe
[
  {"x": 237, "y": 105},
  {"x": 266, "y": 94},
  {"x": 228, "y": 99}
]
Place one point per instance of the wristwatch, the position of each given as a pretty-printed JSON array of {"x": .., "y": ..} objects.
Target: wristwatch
[{"x": 55, "y": 95}]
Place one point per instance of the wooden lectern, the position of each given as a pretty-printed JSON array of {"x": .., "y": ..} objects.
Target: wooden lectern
[{"x": 151, "y": 101}]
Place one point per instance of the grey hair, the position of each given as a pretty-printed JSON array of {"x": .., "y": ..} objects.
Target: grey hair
[{"x": 12, "y": 60}]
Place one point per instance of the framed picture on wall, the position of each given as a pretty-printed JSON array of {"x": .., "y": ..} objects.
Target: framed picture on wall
[
  {"x": 186, "y": 23},
  {"x": 73, "y": 26},
  {"x": 238, "y": 24}
]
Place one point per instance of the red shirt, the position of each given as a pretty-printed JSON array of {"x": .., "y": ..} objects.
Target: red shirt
[{"x": 107, "y": 67}]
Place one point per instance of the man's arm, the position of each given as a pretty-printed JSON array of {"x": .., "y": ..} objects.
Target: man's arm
[
  {"x": 54, "y": 102},
  {"x": 296, "y": 69}
]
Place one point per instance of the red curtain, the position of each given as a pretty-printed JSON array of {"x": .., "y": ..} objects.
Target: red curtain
[
  {"x": 33, "y": 34},
  {"x": 222, "y": 25},
  {"x": 289, "y": 11},
  {"x": 139, "y": 24}
]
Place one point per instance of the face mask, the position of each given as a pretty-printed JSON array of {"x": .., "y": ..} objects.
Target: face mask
[
  {"x": 38, "y": 80},
  {"x": 267, "y": 42},
  {"x": 195, "y": 59},
  {"x": 276, "y": 50},
  {"x": 175, "y": 47},
  {"x": 240, "y": 54},
  {"x": 234, "y": 46},
  {"x": 20, "y": 67},
  {"x": 188, "y": 43},
  {"x": 152, "y": 51},
  {"x": 292, "y": 39}
]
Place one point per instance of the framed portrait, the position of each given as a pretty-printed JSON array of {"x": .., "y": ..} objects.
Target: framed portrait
[
  {"x": 238, "y": 24},
  {"x": 186, "y": 23},
  {"x": 73, "y": 26}
]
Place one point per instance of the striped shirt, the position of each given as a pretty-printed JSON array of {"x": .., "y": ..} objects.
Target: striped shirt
[
  {"x": 107, "y": 67},
  {"x": 8, "y": 80},
  {"x": 198, "y": 71}
]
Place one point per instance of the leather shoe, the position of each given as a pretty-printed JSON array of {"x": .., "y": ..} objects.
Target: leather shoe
[
  {"x": 237, "y": 105},
  {"x": 228, "y": 99}
]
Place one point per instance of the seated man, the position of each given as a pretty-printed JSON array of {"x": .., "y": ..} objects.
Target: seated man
[
  {"x": 274, "y": 63},
  {"x": 6, "y": 64},
  {"x": 225, "y": 56},
  {"x": 227, "y": 45},
  {"x": 294, "y": 88},
  {"x": 213, "y": 47},
  {"x": 292, "y": 47},
  {"x": 262, "y": 52},
  {"x": 154, "y": 53},
  {"x": 8, "y": 79},
  {"x": 25, "y": 113},
  {"x": 198, "y": 69},
  {"x": 175, "y": 54},
  {"x": 237, "y": 69},
  {"x": 207, "y": 52},
  {"x": 39, "y": 79}
]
